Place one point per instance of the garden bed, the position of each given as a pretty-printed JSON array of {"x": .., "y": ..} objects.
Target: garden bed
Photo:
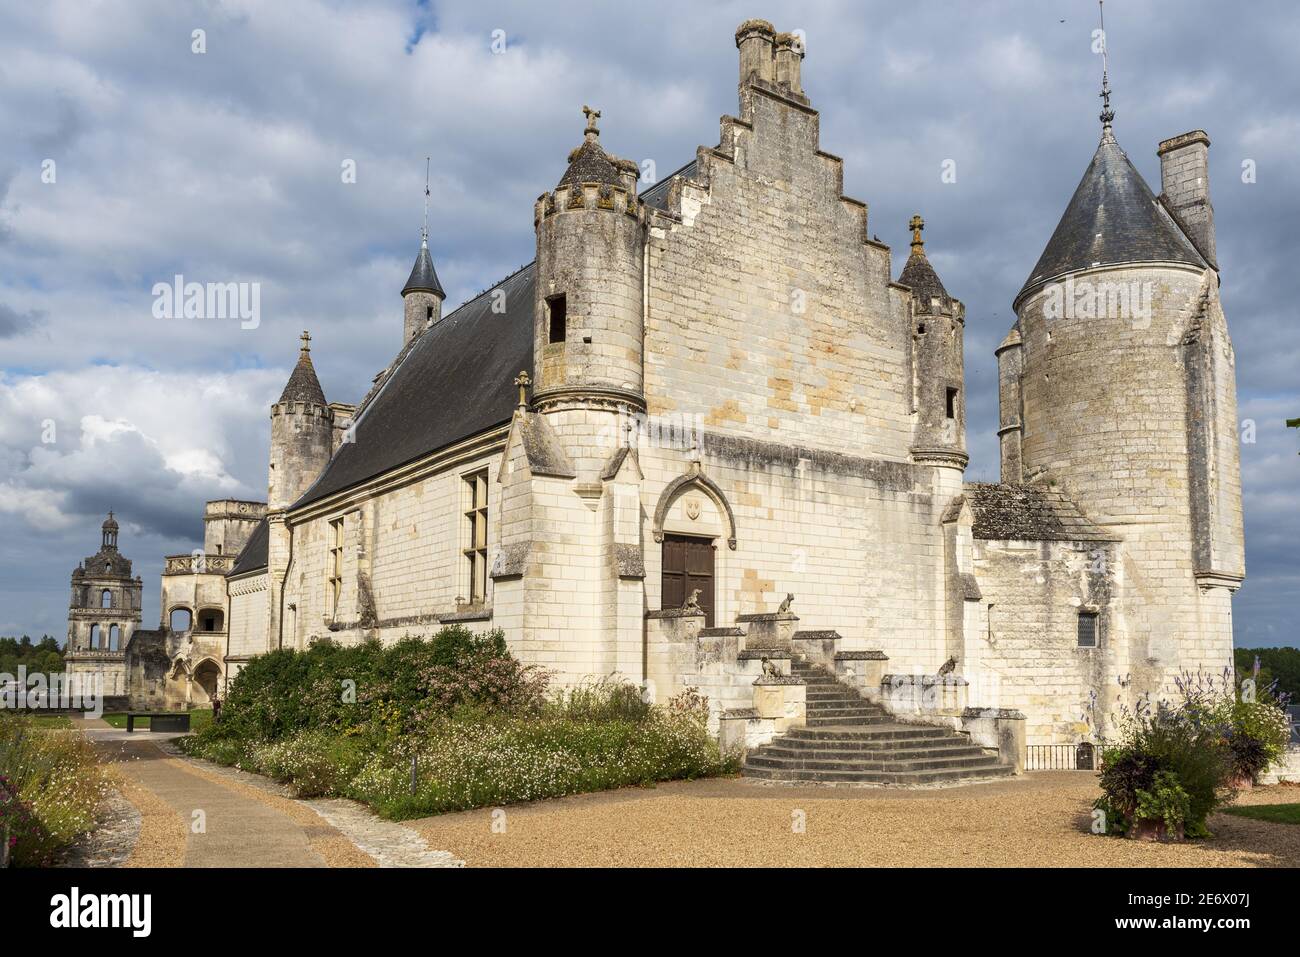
[{"x": 452, "y": 723}]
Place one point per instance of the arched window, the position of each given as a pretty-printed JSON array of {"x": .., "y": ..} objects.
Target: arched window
[
  {"x": 181, "y": 619},
  {"x": 106, "y": 599},
  {"x": 94, "y": 637},
  {"x": 114, "y": 638}
]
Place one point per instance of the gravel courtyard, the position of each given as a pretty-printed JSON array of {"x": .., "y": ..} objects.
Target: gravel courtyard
[{"x": 1038, "y": 820}]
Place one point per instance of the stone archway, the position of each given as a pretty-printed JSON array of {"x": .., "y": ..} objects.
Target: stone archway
[
  {"x": 206, "y": 679},
  {"x": 695, "y": 478}
]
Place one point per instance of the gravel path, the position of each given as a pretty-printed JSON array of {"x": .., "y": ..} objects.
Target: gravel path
[{"x": 1037, "y": 820}]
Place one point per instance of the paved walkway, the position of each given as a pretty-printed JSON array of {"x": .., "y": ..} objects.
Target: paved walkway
[{"x": 192, "y": 813}]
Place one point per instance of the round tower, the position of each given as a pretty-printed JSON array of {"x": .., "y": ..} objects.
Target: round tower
[
  {"x": 938, "y": 330},
  {"x": 301, "y": 434},
  {"x": 1121, "y": 408},
  {"x": 588, "y": 325},
  {"x": 422, "y": 296}
]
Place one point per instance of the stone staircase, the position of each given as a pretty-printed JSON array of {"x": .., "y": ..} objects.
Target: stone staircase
[{"x": 849, "y": 740}]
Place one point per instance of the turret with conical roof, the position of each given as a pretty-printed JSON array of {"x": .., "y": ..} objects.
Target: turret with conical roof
[
  {"x": 422, "y": 296},
  {"x": 588, "y": 331},
  {"x": 938, "y": 328},
  {"x": 301, "y": 433},
  {"x": 1117, "y": 388}
]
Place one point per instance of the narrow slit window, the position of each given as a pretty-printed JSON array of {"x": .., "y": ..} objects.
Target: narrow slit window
[
  {"x": 952, "y": 404},
  {"x": 558, "y": 315},
  {"x": 1087, "y": 629},
  {"x": 428, "y": 315}
]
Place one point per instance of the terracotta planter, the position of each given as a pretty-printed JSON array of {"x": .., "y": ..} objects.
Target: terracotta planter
[{"x": 1154, "y": 830}]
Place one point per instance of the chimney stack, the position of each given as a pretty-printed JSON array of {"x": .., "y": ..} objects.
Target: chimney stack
[
  {"x": 755, "y": 40},
  {"x": 1185, "y": 187},
  {"x": 789, "y": 53}
]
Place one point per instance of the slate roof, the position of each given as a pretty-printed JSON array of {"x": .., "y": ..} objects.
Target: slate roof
[
  {"x": 925, "y": 283},
  {"x": 303, "y": 386},
  {"x": 589, "y": 163},
  {"x": 1113, "y": 217},
  {"x": 253, "y": 555},
  {"x": 456, "y": 380},
  {"x": 1032, "y": 513},
  {"x": 423, "y": 278},
  {"x": 452, "y": 381}
]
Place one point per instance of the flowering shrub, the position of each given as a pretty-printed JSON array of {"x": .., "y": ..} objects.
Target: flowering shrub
[
  {"x": 478, "y": 733},
  {"x": 50, "y": 787},
  {"x": 1252, "y": 725},
  {"x": 1175, "y": 763}
]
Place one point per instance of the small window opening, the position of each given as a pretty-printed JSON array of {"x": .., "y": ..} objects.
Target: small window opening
[
  {"x": 428, "y": 315},
  {"x": 952, "y": 404},
  {"x": 106, "y": 599},
  {"x": 1087, "y": 629},
  {"x": 558, "y": 317}
]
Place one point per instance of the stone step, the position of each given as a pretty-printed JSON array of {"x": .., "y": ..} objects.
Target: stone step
[
  {"x": 759, "y": 759},
  {"x": 879, "y": 731},
  {"x": 888, "y": 778},
  {"x": 901, "y": 747},
  {"x": 841, "y": 721},
  {"x": 846, "y": 712}
]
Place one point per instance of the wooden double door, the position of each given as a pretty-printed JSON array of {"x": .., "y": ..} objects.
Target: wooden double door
[{"x": 687, "y": 566}]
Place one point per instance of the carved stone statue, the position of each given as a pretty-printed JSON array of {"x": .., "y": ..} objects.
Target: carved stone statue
[
  {"x": 692, "y": 603},
  {"x": 785, "y": 605},
  {"x": 770, "y": 670}
]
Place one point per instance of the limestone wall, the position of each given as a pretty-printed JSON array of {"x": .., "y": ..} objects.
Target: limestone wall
[
  {"x": 1021, "y": 641},
  {"x": 1105, "y": 396}
]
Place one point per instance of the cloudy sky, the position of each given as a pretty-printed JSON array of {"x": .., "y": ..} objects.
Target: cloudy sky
[{"x": 130, "y": 158}]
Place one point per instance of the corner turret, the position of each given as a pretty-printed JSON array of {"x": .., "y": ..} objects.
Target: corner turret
[{"x": 938, "y": 328}]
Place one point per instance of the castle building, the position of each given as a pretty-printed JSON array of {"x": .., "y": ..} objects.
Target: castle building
[{"x": 707, "y": 431}]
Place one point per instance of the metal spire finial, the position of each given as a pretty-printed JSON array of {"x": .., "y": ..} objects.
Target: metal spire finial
[
  {"x": 424, "y": 230},
  {"x": 1107, "y": 114}
]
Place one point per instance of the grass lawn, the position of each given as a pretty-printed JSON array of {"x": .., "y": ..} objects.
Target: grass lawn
[
  {"x": 1277, "y": 813},
  {"x": 200, "y": 718},
  {"x": 60, "y": 722}
]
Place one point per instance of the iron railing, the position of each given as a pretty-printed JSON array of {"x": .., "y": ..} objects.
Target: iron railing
[{"x": 1062, "y": 757}]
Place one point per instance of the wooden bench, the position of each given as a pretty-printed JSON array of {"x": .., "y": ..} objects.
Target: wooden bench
[{"x": 166, "y": 721}]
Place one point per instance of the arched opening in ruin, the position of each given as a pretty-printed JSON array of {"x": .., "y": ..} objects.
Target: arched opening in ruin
[
  {"x": 206, "y": 677},
  {"x": 181, "y": 619},
  {"x": 106, "y": 599},
  {"x": 94, "y": 638},
  {"x": 114, "y": 638}
]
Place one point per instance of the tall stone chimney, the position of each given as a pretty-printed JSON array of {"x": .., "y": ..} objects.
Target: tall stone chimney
[
  {"x": 1185, "y": 187},
  {"x": 756, "y": 40}
]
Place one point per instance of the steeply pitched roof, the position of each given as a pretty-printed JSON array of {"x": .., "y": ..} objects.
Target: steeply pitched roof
[
  {"x": 423, "y": 277},
  {"x": 456, "y": 380},
  {"x": 1113, "y": 217},
  {"x": 589, "y": 163},
  {"x": 253, "y": 555},
  {"x": 451, "y": 382},
  {"x": 925, "y": 283},
  {"x": 303, "y": 386},
  {"x": 1030, "y": 513}
]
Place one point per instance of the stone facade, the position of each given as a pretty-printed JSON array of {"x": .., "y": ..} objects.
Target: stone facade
[{"x": 724, "y": 367}]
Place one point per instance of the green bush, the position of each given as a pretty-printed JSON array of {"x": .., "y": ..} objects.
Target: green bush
[
  {"x": 475, "y": 722},
  {"x": 1159, "y": 749}
]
